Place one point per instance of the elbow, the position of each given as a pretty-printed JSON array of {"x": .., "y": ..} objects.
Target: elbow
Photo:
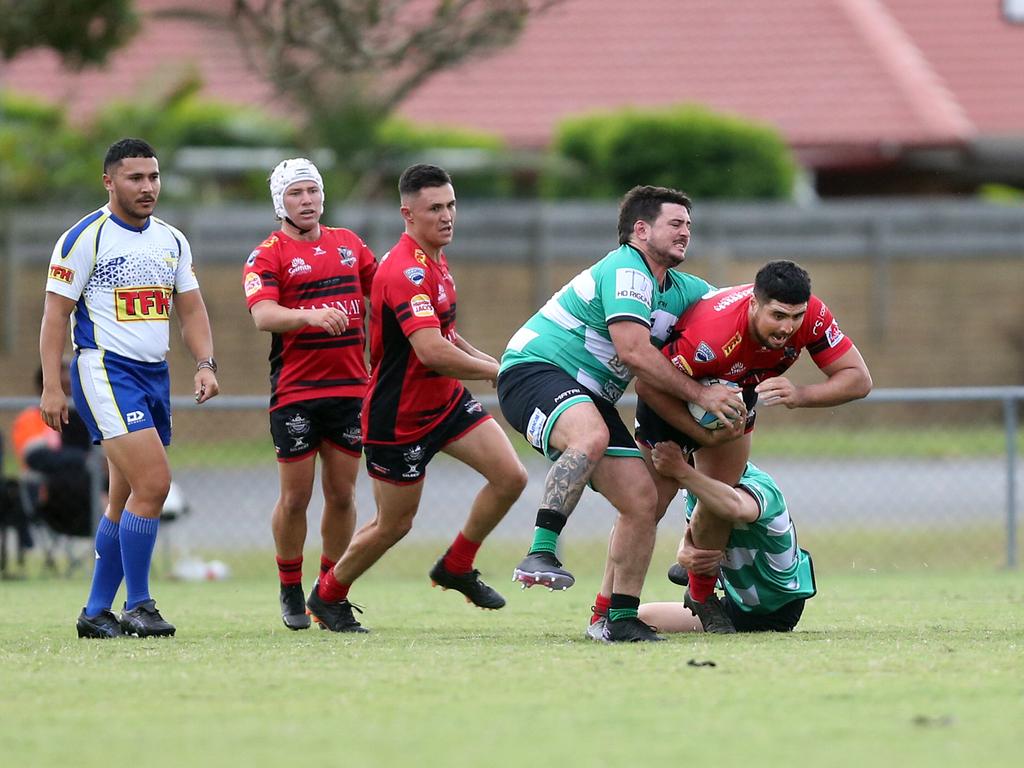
[{"x": 864, "y": 386}]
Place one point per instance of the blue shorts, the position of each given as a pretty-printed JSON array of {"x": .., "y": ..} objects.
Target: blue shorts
[{"x": 115, "y": 395}]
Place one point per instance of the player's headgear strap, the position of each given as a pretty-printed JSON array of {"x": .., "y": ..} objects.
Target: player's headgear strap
[{"x": 289, "y": 172}]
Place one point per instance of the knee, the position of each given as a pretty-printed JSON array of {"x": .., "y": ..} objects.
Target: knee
[
  {"x": 340, "y": 501},
  {"x": 511, "y": 484},
  {"x": 294, "y": 504},
  {"x": 394, "y": 530},
  {"x": 154, "y": 488},
  {"x": 643, "y": 506}
]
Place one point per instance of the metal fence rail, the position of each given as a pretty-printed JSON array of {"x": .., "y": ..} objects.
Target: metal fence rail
[{"x": 948, "y": 502}]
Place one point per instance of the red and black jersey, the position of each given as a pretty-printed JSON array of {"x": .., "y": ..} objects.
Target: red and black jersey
[
  {"x": 405, "y": 399},
  {"x": 334, "y": 271},
  {"x": 712, "y": 338}
]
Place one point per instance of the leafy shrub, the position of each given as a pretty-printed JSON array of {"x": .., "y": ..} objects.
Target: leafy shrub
[{"x": 708, "y": 155}]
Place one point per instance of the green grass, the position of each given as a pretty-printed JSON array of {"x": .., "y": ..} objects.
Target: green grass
[{"x": 915, "y": 668}]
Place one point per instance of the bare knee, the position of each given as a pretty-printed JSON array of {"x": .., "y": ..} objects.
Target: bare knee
[
  {"x": 393, "y": 530},
  {"x": 294, "y": 503},
  {"x": 510, "y": 484}
]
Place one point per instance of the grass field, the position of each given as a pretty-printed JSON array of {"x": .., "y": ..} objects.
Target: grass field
[{"x": 918, "y": 668}]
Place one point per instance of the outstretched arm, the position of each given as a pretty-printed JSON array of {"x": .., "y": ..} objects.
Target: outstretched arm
[
  {"x": 847, "y": 378},
  {"x": 444, "y": 357}
]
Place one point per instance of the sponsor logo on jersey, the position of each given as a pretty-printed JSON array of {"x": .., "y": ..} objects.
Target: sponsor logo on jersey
[
  {"x": 790, "y": 353},
  {"x": 442, "y": 294},
  {"x": 704, "y": 353},
  {"x": 680, "y": 362},
  {"x": 420, "y": 256},
  {"x": 415, "y": 275},
  {"x": 299, "y": 266},
  {"x": 611, "y": 391},
  {"x": 148, "y": 303},
  {"x": 634, "y": 284},
  {"x": 134, "y": 417},
  {"x": 252, "y": 258},
  {"x": 732, "y": 298},
  {"x": 268, "y": 242},
  {"x": 833, "y": 334},
  {"x": 731, "y": 344},
  {"x": 253, "y": 284},
  {"x": 736, "y": 369},
  {"x": 345, "y": 254},
  {"x": 421, "y": 306},
  {"x": 535, "y": 428},
  {"x": 816, "y": 327},
  {"x": 297, "y": 425},
  {"x": 64, "y": 274},
  {"x": 318, "y": 251}
]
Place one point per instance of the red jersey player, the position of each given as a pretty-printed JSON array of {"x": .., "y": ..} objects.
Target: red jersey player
[
  {"x": 305, "y": 285},
  {"x": 416, "y": 407},
  {"x": 749, "y": 334}
]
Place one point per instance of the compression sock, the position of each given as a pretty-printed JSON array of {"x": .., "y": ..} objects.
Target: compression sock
[
  {"x": 138, "y": 537},
  {"x": 289, "y": 571},
  {"x": 601, "y": 604},
  {"x": 701, "y": 587},
  {"x": 331, "y": 590},
  {"x": 326, "y": 564},
  {"x": 545, "y": 535},
  {"x": 108, "y": 571},
  {"x": 623, "y": 607},
  {"x": 460, "y": 556}
]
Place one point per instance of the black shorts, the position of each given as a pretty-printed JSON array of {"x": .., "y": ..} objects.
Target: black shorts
[
  {"x": 298, "y": 428},
  {"x": 406, "y": 463},
  {"x": 652, "y": 429},
  {"x": 533, "y": 395},
  {"x": 780, "y": 620}
]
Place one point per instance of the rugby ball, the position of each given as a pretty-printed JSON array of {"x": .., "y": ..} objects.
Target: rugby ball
[{"x": 705, "y": 419}]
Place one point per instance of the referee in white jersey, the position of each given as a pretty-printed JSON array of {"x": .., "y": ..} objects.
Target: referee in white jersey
[{"x": 116, "y": 273}]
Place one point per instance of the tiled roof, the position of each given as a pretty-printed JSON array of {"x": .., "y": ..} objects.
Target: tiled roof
[{"x": 859, "y": 75}]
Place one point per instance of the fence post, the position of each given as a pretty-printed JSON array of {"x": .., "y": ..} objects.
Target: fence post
[{"x": 1010, "y": 420}]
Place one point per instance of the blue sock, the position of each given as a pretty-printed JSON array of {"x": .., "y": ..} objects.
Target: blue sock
[
  {"x": 138, "y": 537},
  {"x": 108, "y": 572}
]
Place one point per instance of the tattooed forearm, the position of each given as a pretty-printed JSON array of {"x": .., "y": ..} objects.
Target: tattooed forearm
[{"x": 566, "y": 480}]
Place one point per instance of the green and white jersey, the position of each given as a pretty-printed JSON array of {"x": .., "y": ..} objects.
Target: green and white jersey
[
  {"x": 764, "y": 568},
  {"x": 571, "y": 330}
]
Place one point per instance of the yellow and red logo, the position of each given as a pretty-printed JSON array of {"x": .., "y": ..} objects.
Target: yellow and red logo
[
  {"x": 680, "y": 362},
  {"x": 64, "y": 274},
  {"x": 147, "y": 303},
  {"x": 420, "y": 256},
  {"x": 731, "y": 344}
]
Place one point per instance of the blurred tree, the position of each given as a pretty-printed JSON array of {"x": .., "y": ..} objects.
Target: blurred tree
[
  {"x": 83, "y": 32},
  {"x": 350, "y": 63}
]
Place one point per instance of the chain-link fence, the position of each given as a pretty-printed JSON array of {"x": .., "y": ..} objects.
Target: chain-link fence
[{"x": 906, "y": 479}]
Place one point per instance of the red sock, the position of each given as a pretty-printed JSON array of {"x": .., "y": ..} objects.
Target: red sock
[
  {"x": 326, "y": 564},
  {"x": 601, "y": 604},
  {"x": 331, "y": 590},
  {"x": 289, "y": 571},
  {"x": 459, "y": 558},
  {"x": 701, "y": 587}
]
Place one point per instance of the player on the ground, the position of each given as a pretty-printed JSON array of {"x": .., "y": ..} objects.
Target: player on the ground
[
  {"x": 767, "y": 577},
  {"x": 751, "y": 335},
  {"x": 119, "y": 271},
  {"x": 416, "y": 406},
  {"x": 564, "y": 370},
  {"x": 305, "y": 285}
]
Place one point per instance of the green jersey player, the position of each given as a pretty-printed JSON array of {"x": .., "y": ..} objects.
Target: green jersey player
[
  {"x": 765, "y": 574},
  {"x": 563, "y": 371}
]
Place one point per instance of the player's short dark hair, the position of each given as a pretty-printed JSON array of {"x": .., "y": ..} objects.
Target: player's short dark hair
[
  {"x": 783, "y": 281},
  {"x": 119, "y": 150},
  {"x": 420, "y": 176},
  {"x": 643, "y": 203}
]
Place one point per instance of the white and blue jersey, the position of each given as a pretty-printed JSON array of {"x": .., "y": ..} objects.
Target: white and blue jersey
[{"x": 123, "y": 279}]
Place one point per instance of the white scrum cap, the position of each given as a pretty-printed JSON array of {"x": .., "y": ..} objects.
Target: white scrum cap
[{"x": 289, "y": 172}]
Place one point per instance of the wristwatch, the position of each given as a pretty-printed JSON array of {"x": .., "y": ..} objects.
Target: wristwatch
[{"x": 207, "y": 362}]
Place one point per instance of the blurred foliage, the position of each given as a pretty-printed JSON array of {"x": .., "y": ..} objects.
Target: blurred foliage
[
  {"x": 1001, "y": 193},
  {"x": 708, "y": 155},
  {"x": 45, "y": 158},
  {"x": 83, "y": 32}
]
